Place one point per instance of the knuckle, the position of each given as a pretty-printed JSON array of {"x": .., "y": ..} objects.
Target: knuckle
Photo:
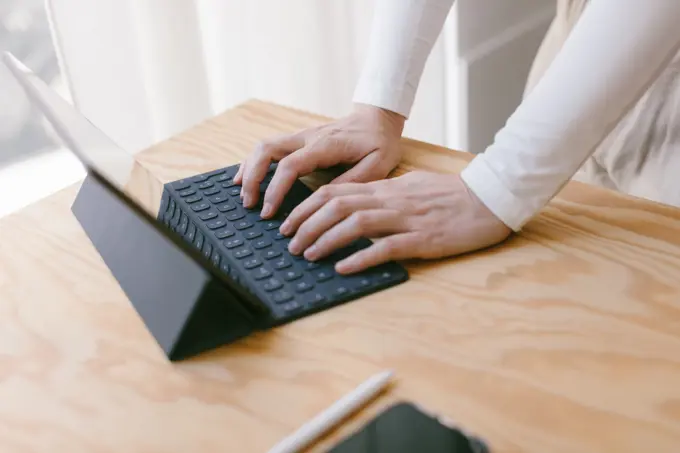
[
  {"x": 338, "y": 206},
  {"x": 289, "y": 164},
  {"x": 390, "y": 248},
  {"x": 325, "y": 193},
  {"x": 264, "y": 149},
  {"x": 360, "y": 220}
]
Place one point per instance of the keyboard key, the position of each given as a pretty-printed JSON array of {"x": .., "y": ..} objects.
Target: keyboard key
[
  {"x": 255, "y": 211},
  {"x": 314, "y": 298},
  {"x": 217, "y": 172},
  {"x": 235, "y": 192},
  {"x": 252, "y": 235},
  {"x": 271, "y": 254},
  {"x": 206, "y": 185},
  {"x": 242, "y": 225},
  {"x": 262, "y": 273},
  {"x": 233, "y": 243},
  {"x": 186, "y": 193},
  {"x": 252, "y": 263},
  {"x": 225, "y": 268},
  {"x": 191, "y": 233},
  {"x": 291, "y": 275},
  {"x": 193, "y": 199},
  {"x": 272, "y": 284},
  {"x": 168, "y": 212},
  {"x": 340, "y": 291},
  {"x": 310, "y": 265},
  {"x": 224, "y": 234},
  {"x": 279, "y": 236},
  {"x": 199, "y": 178},
  {"x": 230, "y": 184},
  {"x": 235, "y": 216},
  {"x": 364, "y": 283},
  {"x": 216, "y": 224},
  {"x": 322, "y": 276},
  {"x": 218, "y": 199},
  {"x": 181, "y": 184},
  {"x": 386, "y": 275},
  {"x": 198, "y": 243},
  {"x": 281, "y": 264},
  {"x": 175, "y": 218},
  {"x": 226, "y": 207},
  {"x": 242, "y": 253},
  {"x": 207, "y": 250},
  {"x": 296, "y": 257},
  {"x": 223, "y": 178},
  {"x": 211, "y": 192},
  {"x": 292, "y": 307},
  {"x": 200, "y": 207},
  {"x": 208, "y": 215},
  {"x": 303, "y": 286},
  {"x": 171, "y": 207},
  {"x": 262, "y": 244},
  {"x": 183, "y": 225},
  {"x": 272, "y": 225},
  {"x": 216, "y": 258},
  {"x": 282, "y": 296}
]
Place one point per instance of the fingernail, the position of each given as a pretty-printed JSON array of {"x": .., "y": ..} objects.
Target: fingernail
[
  {"x": 312, "y": 253},
  {"x": 285, "y": 228},
  {"x": 294, "y": 246},
  {"x": 266, "y": 210}
]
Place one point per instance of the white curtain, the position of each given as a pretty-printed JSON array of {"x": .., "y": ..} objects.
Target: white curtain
[{"x": 143, "y": 70}]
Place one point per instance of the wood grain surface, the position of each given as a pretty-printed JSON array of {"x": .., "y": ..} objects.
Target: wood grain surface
[{"x": 566, "y": 338}]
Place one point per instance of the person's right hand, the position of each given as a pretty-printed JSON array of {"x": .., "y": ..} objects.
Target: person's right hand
[{"x": 367, "y": 140}]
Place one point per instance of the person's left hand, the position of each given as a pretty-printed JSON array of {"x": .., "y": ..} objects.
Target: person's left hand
[{"x": 419, "y": 215}]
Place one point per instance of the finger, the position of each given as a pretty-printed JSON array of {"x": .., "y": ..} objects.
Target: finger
[
  {"x": 328, "y": 215},
  {"x": 258, "y": 164},
  {"x": 397, "y": 247},
  {"x": 367, "y": 223},
  {"x": 300, "y": 163},
  {"x": 370, "y": 168},
  {"x": 239, "y": 174},
  {"x": 317, "y": 200}
]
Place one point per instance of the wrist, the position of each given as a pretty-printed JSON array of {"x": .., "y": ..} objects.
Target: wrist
[{"x": 392, "y": 119}]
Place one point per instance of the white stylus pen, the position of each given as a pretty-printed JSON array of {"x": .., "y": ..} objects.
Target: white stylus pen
[{"x": 327, "y": 419}]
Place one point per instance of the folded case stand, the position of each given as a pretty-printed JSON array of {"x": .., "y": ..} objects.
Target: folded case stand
[{"x": 184, "y": 305}]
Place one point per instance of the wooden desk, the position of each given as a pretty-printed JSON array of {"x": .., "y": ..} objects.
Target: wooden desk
[{"x": 565, "y": 339}]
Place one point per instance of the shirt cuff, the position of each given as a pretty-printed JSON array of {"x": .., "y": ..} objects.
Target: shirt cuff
[
  {"x": 485, "y": 183},
  {"x": 397, "y": 98}
]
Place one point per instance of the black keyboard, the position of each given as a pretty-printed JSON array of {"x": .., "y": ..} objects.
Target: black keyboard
[{"x": 207, "y": 211}]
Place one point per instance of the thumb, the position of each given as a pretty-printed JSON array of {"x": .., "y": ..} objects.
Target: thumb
[{"x": 370, "y": 168}]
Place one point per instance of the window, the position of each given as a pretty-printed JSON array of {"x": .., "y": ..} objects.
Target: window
[{"x": 32, "y": 163}]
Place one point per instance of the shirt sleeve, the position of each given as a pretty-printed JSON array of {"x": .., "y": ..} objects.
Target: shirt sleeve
[
  {"x": 402, "y": 37},
  {"x": 614, "y": 53}
]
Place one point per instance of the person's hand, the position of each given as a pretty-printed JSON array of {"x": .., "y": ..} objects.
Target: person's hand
[
  {"x": 367, "y": 139},
  {"x": 419, "y": 215}
]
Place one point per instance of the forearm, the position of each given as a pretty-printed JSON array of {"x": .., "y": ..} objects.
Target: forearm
[
  {"x": 402, "y": 36},
  {"x": 613, "y": 55}
]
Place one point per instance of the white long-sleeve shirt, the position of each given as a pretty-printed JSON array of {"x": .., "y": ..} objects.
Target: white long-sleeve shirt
[{"x": 613, "y": 54}]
